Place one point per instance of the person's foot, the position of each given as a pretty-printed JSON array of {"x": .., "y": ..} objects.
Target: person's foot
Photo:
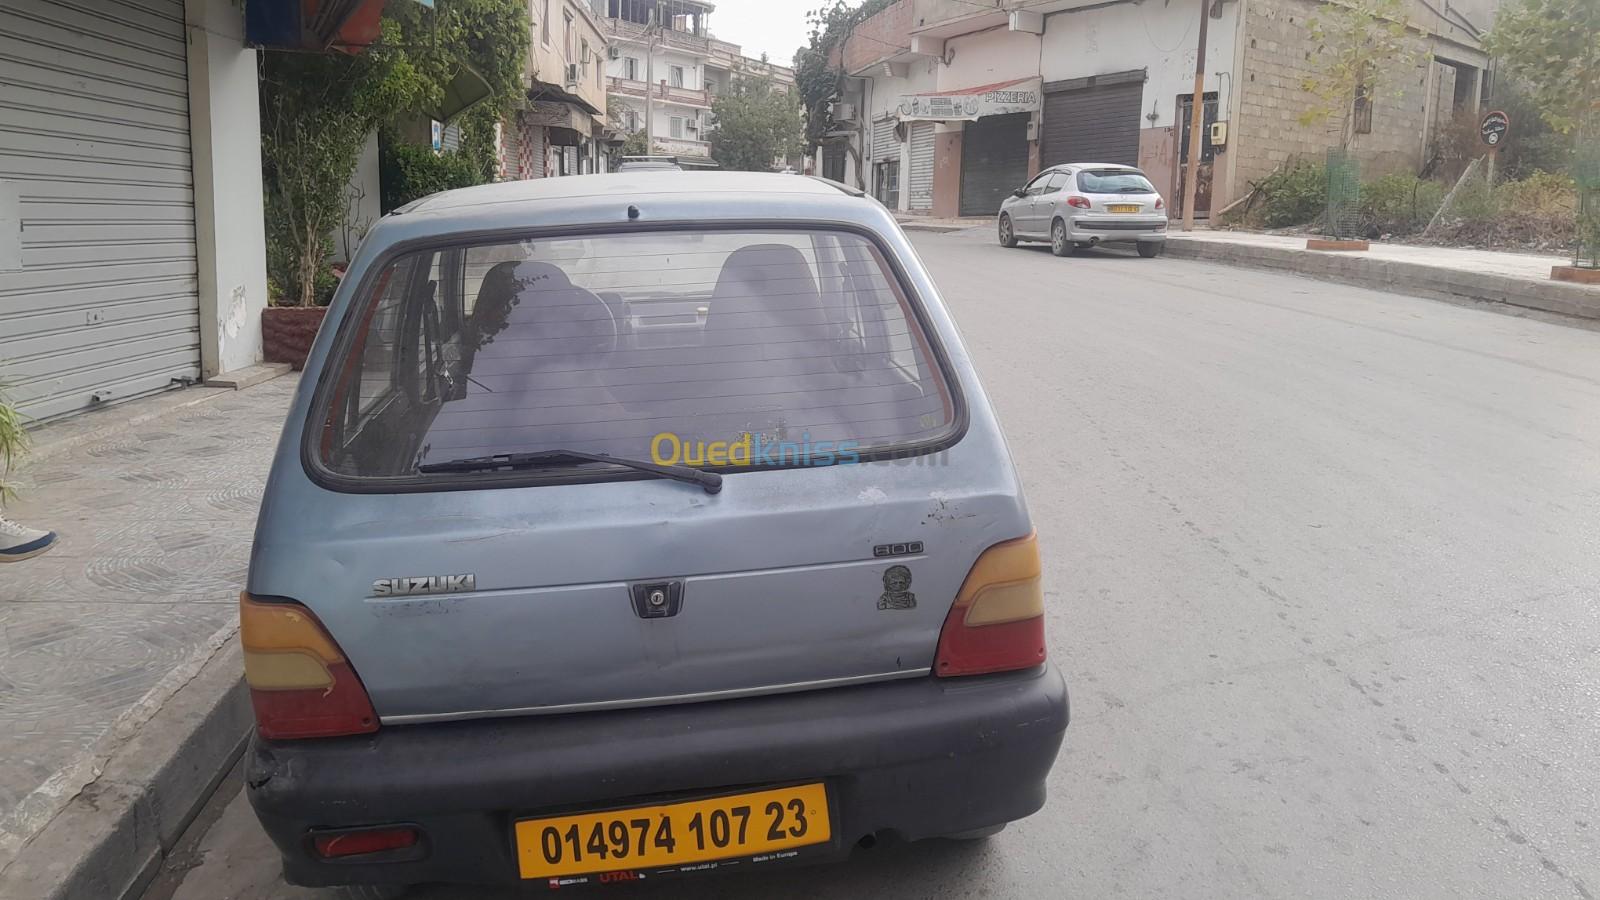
[{"x": 19, "y": 542}]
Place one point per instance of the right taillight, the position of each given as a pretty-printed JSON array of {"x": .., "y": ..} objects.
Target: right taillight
[
  {"x": 997, "y": 621},
  {"x": 301, "y": 685}
]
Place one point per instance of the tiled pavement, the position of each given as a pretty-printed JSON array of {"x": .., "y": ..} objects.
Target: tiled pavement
[{"x": 155, "y": 521}]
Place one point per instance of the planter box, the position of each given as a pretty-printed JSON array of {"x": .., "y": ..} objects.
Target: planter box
[{"x": 287, "y": 333}]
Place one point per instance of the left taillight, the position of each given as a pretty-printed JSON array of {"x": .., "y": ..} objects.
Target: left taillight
[
  {"x": 997, "y": 621},
  {"x": 1078, "y": 202},
  {"x": 301, "y": 685}
]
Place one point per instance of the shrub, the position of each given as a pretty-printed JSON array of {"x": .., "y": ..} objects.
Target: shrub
[
  {"x": 1541, "y": 194},
  {"x": 1294, "y": 195},
  {"x": 409, "y": 171},
  {"x": 1399, "y": 204}
]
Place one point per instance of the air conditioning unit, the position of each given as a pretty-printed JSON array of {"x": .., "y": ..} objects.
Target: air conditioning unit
[
  {"x": 572, "y": 74},
  {"x": 842, "y": 112},
  {"x": 614, "y": 52}
]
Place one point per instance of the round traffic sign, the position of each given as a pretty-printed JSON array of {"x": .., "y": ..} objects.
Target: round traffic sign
[{"x": 1494, "y": 127}]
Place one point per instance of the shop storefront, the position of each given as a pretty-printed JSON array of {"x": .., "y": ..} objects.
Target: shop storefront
[{"x": 994, "y": 123}]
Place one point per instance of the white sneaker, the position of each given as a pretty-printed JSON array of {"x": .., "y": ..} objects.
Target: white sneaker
[{"x": 19, "y": 542}]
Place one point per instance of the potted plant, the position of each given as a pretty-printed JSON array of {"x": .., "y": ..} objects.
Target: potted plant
[{"x": 17, "y": 542}]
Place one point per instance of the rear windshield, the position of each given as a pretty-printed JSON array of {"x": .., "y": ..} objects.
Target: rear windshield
[
  {"x": 607, "y": 343},
  {"x": 1113, "y": 181}
]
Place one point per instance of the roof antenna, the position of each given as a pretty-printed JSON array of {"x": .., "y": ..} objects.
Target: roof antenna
[{"x": 633, "y": 212}]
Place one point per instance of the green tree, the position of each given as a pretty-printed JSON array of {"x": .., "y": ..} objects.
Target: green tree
[
  {"x": 1362, "y": 45},
  {"x": 1553, "y": 47},
  {"x": 317, "y": 110},
  {"x": 818, "y": 79},
  {"x": 756, "y": 123}
]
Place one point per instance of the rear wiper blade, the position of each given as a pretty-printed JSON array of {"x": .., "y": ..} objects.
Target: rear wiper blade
[{"x": 711, "y": 481}]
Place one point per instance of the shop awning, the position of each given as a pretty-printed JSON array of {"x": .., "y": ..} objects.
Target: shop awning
[{"x": 970, "y": 104}]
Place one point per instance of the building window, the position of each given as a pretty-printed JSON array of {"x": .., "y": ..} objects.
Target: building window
[
  {"x": 677, "y": 127},
  {"x": 544, "y": 23},
  {"x": 566, "y": 42},
  {"x": 630, "y": 120},
  {"x": 585, "y": 56},
  {"x": 675, "y": 75},
  {"x": 630, "y": 69}
]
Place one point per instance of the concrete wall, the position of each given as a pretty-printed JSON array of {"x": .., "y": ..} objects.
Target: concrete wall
[
  {"x": 547, "y": 62},
  {"x": 1277, "y": 57},
  {"x": 947, "y": 172},
  {"x": 1161, "y": 39},
  {"x": 230, "y": 231},
  {"x": 1152, "y": 36},
  {"x": 988, "y": 57},
  {"x": 364, "y": 205}
]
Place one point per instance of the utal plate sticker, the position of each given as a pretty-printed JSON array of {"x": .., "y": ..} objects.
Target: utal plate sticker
[{"x": 674, "y": 834}]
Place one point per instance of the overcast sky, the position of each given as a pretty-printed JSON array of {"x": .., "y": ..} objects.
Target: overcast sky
[{"x": 774, "y": 27}]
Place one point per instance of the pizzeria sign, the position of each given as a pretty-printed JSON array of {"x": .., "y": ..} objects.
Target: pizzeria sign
[{"x": 973, "y": 103}]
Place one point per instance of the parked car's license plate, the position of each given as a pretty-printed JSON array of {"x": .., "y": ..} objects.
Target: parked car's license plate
[
  {"x": 650, "y": 837},
  {"x": 1123, "y": 207}
]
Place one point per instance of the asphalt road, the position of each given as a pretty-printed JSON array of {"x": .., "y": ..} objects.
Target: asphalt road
[{"x": 1322, "y": 565}]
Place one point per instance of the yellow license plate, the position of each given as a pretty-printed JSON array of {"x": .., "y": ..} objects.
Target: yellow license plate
[
  {"x": 650, "y": 837},
  {"x": 1123, "y": 207}
]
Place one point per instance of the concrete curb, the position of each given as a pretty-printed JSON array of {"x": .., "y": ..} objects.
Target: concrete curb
[
  {"x": 1558, "y": 297},
  {"x": 936, "y": 229},
  {"x": 110, "y": 839}
]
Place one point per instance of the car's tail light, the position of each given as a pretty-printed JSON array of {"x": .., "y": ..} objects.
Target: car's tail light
[
  {"x": 1079, "y": 202},
  {"x": 997, "y": 621},
  {"x": 301, "y": 685},
  {"x": 1159, "y": 204},
  {"x": 339, "y": 844}
]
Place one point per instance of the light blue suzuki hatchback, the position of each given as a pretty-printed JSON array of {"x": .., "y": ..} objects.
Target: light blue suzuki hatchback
[{"x": 633, "y": 525}]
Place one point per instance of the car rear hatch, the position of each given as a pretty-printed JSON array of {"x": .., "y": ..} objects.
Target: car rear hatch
[
  {"x": 856, "y": 496},
  {"x": 1118, "y": 193}
]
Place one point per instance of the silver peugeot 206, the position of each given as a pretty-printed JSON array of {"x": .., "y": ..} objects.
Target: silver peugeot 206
[
  {"x": 1086, "y": 205},
  {"x": 636, "y": 525}
]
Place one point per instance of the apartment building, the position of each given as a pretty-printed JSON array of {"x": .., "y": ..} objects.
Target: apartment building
[
  {"x": 950, "y": 104},
  {"x": 562, "y": 128},
  {"x": 663, "y": 50}
]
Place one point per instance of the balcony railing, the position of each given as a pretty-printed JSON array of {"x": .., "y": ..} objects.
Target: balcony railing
[
  {"x": 627, "y": 87},
  {"x": 684, "y": 146},
  {"x": 623, "y": 30}
]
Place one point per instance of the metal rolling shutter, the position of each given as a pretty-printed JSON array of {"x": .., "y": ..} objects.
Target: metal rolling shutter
[
  {"x": 920, "y": 188},
  {"x": 511, "y": 148},
  {"x": 994, "y": 162},
  {"x": 884, "y": 144},
  {"x": 94, "y": 140},
  {"x": 1093, "y": 120}
]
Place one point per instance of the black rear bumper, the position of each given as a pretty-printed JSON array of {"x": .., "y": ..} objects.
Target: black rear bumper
[{"x": 915, "y": 758}]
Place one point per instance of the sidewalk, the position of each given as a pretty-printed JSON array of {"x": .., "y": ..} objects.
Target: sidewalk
[
  {"x": 929, "y": 223},
  {"x": 1482, "y": 276},
  {"x": 1487, "y": 276},
  {"x": 156, "y": 515}
]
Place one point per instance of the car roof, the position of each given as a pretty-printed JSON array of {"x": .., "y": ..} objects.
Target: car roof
[
  {"x": 1095, "y": 165},
  {"x": 661, "y": 184}
]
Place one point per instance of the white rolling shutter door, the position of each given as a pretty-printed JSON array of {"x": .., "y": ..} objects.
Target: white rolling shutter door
[
  {"x": 94, "y": 143},
  {"x": 884, "y": 145},
  {"x": 921, "y": 183}
]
